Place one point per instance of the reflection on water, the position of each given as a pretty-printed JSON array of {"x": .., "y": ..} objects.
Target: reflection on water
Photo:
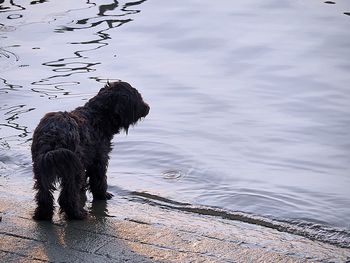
[
  {"x": 100, "y": 19},
  {"x": 250, "y": 104},
  {"x": 11, "y": 114},
  {"x": 78, "y": 63},
  {"x": 6, "y": 87}
]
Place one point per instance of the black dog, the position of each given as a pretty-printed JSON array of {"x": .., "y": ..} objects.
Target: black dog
[{"x": 72, "y": 148}]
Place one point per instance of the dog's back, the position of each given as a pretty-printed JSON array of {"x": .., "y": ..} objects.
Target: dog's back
[{"x": 56, "y": 130}]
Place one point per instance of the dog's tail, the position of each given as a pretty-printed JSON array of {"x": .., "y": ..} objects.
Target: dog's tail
[{"x": 57, "y": 165}]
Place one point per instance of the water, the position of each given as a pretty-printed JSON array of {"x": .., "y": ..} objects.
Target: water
[{"x": 250, "y": 112}]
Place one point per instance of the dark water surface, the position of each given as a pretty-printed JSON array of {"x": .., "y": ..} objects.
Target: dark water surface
[{"x": 250, "y": 112}]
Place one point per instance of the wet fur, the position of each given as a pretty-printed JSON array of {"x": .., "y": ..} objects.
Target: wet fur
[{"x": 71, "y": 148}]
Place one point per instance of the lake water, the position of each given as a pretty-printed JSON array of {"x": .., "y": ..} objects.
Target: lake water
[{"x": 250, "y": 112}]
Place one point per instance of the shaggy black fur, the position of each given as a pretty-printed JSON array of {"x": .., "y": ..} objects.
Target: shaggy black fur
[{"x": 72, "y": 148}]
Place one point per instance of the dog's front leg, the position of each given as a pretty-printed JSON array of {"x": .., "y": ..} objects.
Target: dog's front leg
[{"x": 98, "y": 179}]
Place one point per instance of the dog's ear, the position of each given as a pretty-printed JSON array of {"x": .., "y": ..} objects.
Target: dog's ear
[{"x": 124, "y": 111}]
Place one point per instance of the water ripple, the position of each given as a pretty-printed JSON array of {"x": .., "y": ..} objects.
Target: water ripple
[{"x": 336, "y": 236}]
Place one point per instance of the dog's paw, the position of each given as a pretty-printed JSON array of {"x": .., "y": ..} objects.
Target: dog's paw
[
  {"x": 77, "y": 215},
  {"x": 108, "y": 195},
  {"x": 104, "y": 196},
  {"x": 42, "y": 214}
]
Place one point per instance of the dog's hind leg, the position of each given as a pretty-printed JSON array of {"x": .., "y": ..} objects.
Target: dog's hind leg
[
  {"x": 72, "y": 177},
  {"x": 71, "y": 200},
  {"x": 44, "y": 185}
]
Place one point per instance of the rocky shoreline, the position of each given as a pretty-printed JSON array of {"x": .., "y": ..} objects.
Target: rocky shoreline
[{"x": 140, "y": 232}]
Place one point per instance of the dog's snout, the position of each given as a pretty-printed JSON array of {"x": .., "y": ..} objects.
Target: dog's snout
[{"x": 146, "y": 111}]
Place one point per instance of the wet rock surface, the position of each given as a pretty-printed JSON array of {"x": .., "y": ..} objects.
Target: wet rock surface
[{"x": 139, "y": 232}]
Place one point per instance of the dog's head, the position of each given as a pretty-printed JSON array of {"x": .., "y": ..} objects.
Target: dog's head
[{"x": 123, "y": 104}]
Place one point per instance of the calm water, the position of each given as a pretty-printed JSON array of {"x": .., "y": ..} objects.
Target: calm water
[{"x": 250, "y": 112}]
